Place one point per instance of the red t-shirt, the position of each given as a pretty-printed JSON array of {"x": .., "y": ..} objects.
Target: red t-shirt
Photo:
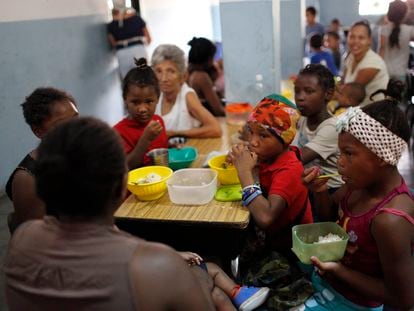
[
  {"x": 283, "y": 178},
  {"x": 131, "y": 131}
]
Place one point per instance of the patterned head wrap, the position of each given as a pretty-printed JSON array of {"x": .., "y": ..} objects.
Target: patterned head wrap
[
  {"x": 278, "y": 115},
  {"x": 375, "y": 136}
]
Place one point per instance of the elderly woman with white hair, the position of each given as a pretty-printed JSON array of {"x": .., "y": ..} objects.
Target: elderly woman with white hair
[{"x": 179, "y": 106}]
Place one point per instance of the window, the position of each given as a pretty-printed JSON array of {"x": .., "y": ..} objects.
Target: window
[
  {"x": 127, "y": 3},
  {"x": 373, "y": 7}
]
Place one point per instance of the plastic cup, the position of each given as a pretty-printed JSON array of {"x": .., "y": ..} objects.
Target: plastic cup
[{"x": 159, "y": 156}]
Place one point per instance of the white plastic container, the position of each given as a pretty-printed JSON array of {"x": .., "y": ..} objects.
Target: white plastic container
[{"x": 192, "y": 186}]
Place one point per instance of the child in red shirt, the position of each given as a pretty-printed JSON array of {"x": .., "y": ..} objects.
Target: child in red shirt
[
  {"x": 142, "y": 130},
  {"x": 281, "y": 201}
]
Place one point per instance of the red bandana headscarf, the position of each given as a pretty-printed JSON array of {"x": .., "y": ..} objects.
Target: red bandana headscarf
[{"x": 277, "y": 114}]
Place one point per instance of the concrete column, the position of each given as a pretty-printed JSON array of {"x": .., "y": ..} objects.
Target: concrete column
[
  {"x": 292, "y": 26},
  {"x": 251, "y": 48}
]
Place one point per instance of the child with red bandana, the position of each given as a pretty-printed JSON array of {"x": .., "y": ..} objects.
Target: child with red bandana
[
  {"x": 142, "y": 130},
  {"x": 277, "y": 200}
]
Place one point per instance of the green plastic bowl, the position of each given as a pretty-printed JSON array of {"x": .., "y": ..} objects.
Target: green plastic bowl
[
  {"x": 305, "y": 236},
  {"x": 181, "y": 158}
]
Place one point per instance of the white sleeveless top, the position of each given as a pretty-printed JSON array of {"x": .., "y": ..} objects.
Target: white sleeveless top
[
  {"x": 380, "y": 81},
  {"x": 178, "y": 118}
]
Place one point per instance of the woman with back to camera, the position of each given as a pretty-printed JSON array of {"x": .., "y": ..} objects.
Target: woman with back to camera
[
  {"x": 179, "y": 105},
  {"x": 202, "y": 74},
  {"x": 394, "y": 40},
  {"x": 79, "y": 260},
  {"x": 363, "y": 65}
]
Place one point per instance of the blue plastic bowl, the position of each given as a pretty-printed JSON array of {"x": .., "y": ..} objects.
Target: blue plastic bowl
[{"x": 181, "y": 158}]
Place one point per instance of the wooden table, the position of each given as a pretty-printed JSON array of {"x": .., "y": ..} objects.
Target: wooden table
[
  {"x": 228, "y": 214},
  {"x": 190, "y": 227}
]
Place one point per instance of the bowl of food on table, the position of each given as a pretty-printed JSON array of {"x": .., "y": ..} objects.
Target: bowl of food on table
[
  {"x": 149, "y": 182},
  {"x": 227, "y": 172},
  {"x": 179, "y": 158}
]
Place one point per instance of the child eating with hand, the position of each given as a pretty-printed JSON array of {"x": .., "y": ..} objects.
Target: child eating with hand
[
  {"x": 376, "y": 209},
  {"x": 277, "y": 200},
  {"x": 142, "y": 130}
]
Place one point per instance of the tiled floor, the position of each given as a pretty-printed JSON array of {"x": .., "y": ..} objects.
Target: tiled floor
[{"x": 406, "y": 167}]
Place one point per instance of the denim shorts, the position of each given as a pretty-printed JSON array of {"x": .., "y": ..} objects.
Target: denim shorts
[{"x": 326, "y": 298}]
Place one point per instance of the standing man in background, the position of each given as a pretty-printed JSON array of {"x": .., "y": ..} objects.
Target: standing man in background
[{"x": 312, "y": 27}]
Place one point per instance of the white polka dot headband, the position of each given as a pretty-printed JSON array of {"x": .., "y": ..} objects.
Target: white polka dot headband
[{"x": 375, "y": 136}]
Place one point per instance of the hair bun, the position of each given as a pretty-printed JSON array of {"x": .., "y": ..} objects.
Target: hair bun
[
  {"x": 395, "y": 90},
  {"x": 141, "y": 63},
  {"x": 192, "y": 41}
]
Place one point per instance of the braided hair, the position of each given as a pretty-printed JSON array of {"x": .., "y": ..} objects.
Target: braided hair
[
  {"x": 37, "y": 107},
  {"x": 324, "y": 75}
]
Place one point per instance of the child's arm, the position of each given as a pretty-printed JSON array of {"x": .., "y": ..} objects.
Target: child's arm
[
  {"x": 135, "y": 157},
  {"x": 308, "y": 155},
  {"x": 26, "y": 203},
  {"x": 394, "y": 236},
  {"x": 203, "y": 82},
  {"x": 323, "y": 145},
  {"x": 326, "y": 204},
  {"x": 263, "y": 211}
]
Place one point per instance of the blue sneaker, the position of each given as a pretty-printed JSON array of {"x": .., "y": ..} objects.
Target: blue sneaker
[{"x": 249, "y": 298}]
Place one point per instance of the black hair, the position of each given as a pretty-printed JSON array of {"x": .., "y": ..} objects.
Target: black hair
[
  {"x": 357, "y": 91},
  {"x": 324, "y": 75},
  {"x": 316, "y": 41},
  {"x": 391, "y": 116},
  {"x": 37, "y": 107},
  {"x": 80, "y": 168},
  {"x": 333, "y": 34},
  {"x": 311, "y": 9},
  {"x": 395, "y": 90},
  {"x": 396, "y": 13},
  {"x": 202, "y": 50},
  {"x": 142, "y": 75},
  {"x": 335, "y": 21},
  {"x": 363, "y": 23}
]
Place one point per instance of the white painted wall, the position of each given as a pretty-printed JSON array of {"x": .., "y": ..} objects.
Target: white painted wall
[
  {"x": 59, "y": 43},
  {"x": 178, "y": 21},
  {"x": 23, "y": 10}
]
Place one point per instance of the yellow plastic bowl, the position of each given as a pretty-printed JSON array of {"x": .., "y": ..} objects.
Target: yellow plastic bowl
[
  {"x": 226, "y": 176},
  {"x": 150, "y": 191}
]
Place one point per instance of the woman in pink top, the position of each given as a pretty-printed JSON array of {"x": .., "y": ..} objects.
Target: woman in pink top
[
  {"x": 376, "y": 208},
  {"x": 79, "y": 260}
]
